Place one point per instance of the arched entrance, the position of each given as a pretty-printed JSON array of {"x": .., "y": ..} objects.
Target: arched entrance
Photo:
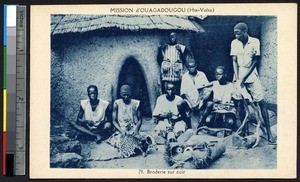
[{"x": 132, "y": 74}]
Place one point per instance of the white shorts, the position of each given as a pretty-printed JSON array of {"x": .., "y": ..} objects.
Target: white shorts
[
  {"x": 256, "y": 90},
  {"x": 240, "y": 93}
]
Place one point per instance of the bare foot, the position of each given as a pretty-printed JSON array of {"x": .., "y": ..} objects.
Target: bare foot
[
  {"x": 98, "y": 139},
  {"x": 272, "y": 140}
]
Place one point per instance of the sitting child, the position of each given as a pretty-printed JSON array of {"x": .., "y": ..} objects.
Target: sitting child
[
  {"x": 168, "y": 115},
  {"x": 223, "y": 107}
]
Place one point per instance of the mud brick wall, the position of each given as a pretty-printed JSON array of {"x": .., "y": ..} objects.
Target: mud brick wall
[
  {"x": 81, "y": 60},
  {"x": 268, "y": 62}
]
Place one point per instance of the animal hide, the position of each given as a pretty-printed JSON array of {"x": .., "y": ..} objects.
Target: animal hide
[{"x": 129, "y": 145}]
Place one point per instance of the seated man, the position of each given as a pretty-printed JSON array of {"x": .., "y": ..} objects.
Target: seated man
[
  {"x": 223, "y": 106},
  {"x": 92, "y": 117},
  {"x": 169, "y": 115},
  {"x": 126, "y": 115},
  {"x": 194, "y": 94}
]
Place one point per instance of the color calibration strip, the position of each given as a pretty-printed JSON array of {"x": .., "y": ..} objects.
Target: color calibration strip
[
  {"x": 4, "y": 92},
  {"x": 14, "y": 90},
  {"x": 9, "y": 93}
]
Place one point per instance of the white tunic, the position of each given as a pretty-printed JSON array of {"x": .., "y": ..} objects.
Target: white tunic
[
  {"x": 244, "y": 56},
  {"x": 163, "y": 105},
  {"x": 96, "y": 116},
  {"x": 190, "y": 86},
  {"x": 222, "y": 93},
  {"x": 127, "y": 117}
]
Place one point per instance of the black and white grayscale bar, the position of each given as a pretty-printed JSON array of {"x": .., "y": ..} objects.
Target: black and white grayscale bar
[
  {"x": 11, "y": 90},
  {"x": 163, "y": 92}
]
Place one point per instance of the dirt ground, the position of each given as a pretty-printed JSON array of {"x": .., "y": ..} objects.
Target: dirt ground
[{"x": 264, "y": 156}]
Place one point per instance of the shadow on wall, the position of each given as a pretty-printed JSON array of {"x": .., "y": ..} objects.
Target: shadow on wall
[{"x": 132, "y": 74}]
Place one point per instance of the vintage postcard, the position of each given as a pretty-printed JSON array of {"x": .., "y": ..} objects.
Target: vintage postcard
[{"x": 163, "y": 91}]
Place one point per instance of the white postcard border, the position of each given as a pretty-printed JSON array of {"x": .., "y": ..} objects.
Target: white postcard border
[{"x": 40, "y": 92}]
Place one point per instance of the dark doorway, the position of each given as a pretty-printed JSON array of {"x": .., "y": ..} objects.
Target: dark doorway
[{"x": 132, "y": 75}]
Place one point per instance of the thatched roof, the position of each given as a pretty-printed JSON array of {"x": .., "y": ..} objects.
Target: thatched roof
[{"x": 61, "y": 24}]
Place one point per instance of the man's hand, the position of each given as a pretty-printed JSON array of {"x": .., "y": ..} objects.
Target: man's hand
[
  {"x": 217, "y": 101},
  {"x": 234, "y": 80},
  {"x": 169, "y": 115},
  {"x": 136, "y": 132},
  {"x": 230, "y": 103},
  {"x": 195, "y": 105},
  {"x": 241, "y": 83},
  {"x": 178, "y": 47},
  {"x": 164, "y": 115},
  {"x": 90, "y": 123},
  {"x": 201, "y": 87},
  {"x": 253, "y": 53},
  {"x": 155, "y": 120},
  {"x": 123, "y": 133},
  {"x": 98, "y": 139},
  {"x": 174, "y": 117},
  {"x": 164, "y": 46},
  {"x": 192, "y": 104}
]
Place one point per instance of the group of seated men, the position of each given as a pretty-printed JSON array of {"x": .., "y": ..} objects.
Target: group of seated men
[
  {"x": 186, "y": 101},
  {"x": 195, "y": 107},
  {"x": 172, "y": 113},
  {"x": 96, "y": 121}
]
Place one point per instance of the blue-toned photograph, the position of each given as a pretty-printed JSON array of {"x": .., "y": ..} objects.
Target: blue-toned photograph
[{"x": 163, "y": 92}]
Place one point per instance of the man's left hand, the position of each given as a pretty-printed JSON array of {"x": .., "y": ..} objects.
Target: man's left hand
[
  {"x": 169, "y": 115},
  {"x": 178, "y": 48},
  {"x": 89, "y": 123},
  {"x": 136, "y": 132},
  {"x": 241, "y": 83},
  {"x": 253, "y": 53}
]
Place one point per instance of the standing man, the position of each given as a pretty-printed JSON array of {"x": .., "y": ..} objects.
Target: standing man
[
  {"x": 245, "y": 52},
  {"x": 126, "y": 115},
  {"x": 92, "y": 117},
  {"x": 172, "y": 61},
  {"x": 194, "y": 94}
]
